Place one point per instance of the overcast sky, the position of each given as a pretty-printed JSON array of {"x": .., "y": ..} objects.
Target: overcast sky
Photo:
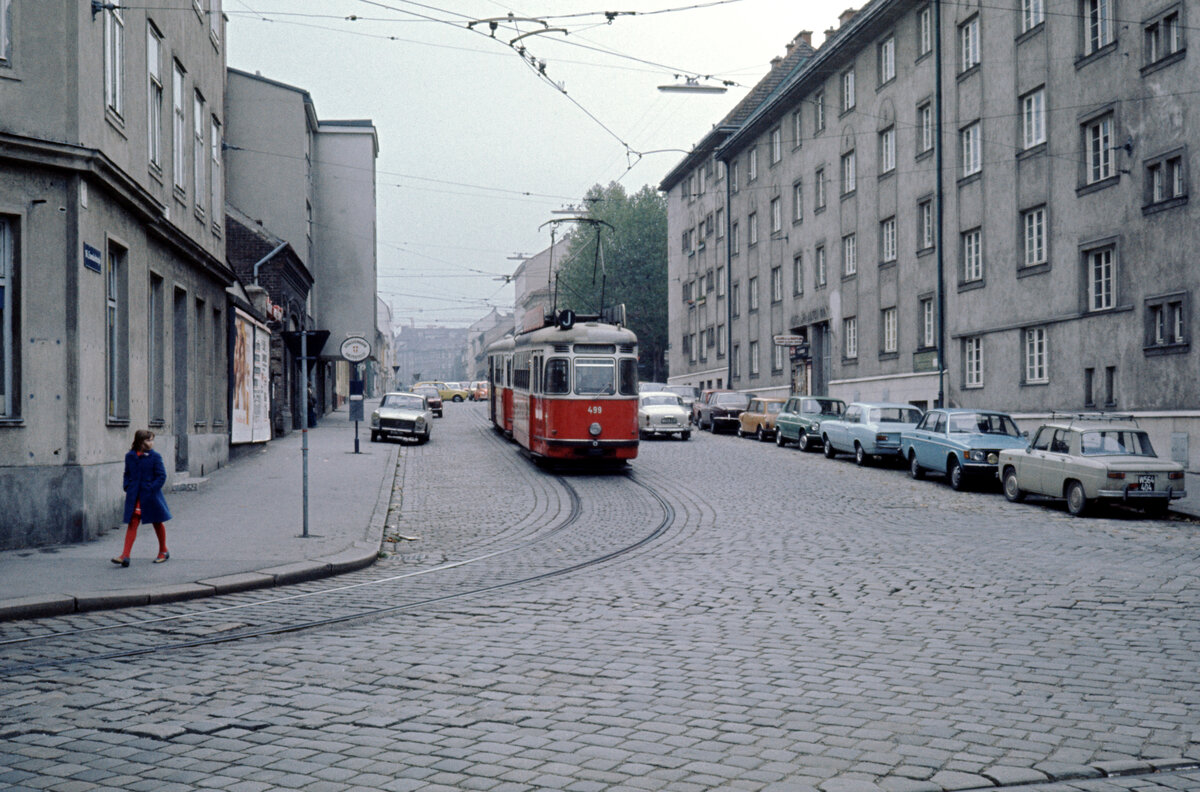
[{"x": 475, "y": 146}]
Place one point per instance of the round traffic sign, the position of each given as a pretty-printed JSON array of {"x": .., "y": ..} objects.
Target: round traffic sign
[{"x": 356, "y": 349}]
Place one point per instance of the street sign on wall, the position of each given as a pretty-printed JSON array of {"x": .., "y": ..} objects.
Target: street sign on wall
[{"x": 789, "y": 340}]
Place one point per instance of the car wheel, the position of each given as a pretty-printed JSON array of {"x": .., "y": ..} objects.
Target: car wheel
[
  {"x": 1077, "y": 501},
  {"x": 740, "y": 433},
  {"x": 804, "y": 443},
  {"x": 860, "y": 456},
  {"x": 457, "y": 398},
  {"x": 829, "y": 452},
  {"x": 1011, "y": 491},
  {"x": 779, "y": 439},
  {"x": 954, "y": 473},
  {"x": 423, "y": 439},
  {"x": 760, "y": 435},
  {"x": 914, "y": 469},
  {"x": 685, "y": 436},
  {"x": 374, "y": 437}
]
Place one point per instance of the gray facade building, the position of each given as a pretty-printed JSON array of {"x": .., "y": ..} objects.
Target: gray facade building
[
  {"x": 429, "y": 353},
  {"x": 1038, "y": 192},
  {"x": 113, "y": 311}
]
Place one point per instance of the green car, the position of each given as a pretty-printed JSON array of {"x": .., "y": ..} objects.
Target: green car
[{"x": 800, "y": 420}]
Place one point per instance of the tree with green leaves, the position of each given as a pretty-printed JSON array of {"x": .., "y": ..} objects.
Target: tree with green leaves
[{"x": 630, "y": 267}]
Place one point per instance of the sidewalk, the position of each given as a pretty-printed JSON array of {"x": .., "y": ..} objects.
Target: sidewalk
[
  {"x": 240, "y": 530},
  {"x": 1191, "y": 504}
]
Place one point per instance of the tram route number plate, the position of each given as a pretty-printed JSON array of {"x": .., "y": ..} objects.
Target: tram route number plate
[{"x": 595, "y": 409}]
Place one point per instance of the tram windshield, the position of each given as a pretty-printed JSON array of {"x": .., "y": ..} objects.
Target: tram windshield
[
  {"x": 594, "y": 376},
  {"x": 558, "y": 376}
]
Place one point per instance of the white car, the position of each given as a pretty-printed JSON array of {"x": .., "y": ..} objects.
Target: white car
[
  {"x": 661, "y": 413},
  {"x": 402, "y": 415}
]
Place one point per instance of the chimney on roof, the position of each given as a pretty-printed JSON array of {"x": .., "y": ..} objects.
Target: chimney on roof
[
  {"x": 776, "y": 61},
  {"x": 805, "y": 36},
  {"x": 846, "y": 16}
]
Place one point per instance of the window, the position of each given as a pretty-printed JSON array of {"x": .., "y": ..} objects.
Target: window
[
  {"x": 217, "y": 181},
  {"x": 1167, "y": 322},
  {"x": 1165, "y": 179},
  {"x": 972, "y": 253},
  {"x": 1033, "y": 13},
  {"x": 776, "y": 145},
  {"x": 114, "y": 60},
  {"x": 776, "y": 284},
  {"x": 752, "y": 285},
  {"x": 5, "y": 43},
  {"x": 198, "y": 151},
  {"x": 1101, "y": 279},
  {"x": 776, "y": 357},
  {"x": 752, "y": 166},
  {"x": 887, "y": 60},
  {"x": 819, "y": 189},
  {"x": 925, "y": 128},
  {"x": 848, "y": 173},
  {"x": 887, "y": 238},
  {"x": 752, "y": 229},
  {"x": 819, "y": 266},
  {"x": 155, "y": 336},
  {"x": 1163, "y": 37},
  {"x": 797, "y": 202},
  {"x": 735, "y": 362},
  {"x": 1034, "y": 238},
  {"x": 797, "y": 274},
  {"x": 734, "y": 241},
  {"x": 735, "y": 304},
  {"x": 594, "y": 376},
  {"x": 888, "y": 323},
  {"x": 1110, "y": 386},
  {"x": 720, "y": 224},
  {"x": 1035, "y": 355},
  {"x": 1098, "y": 22},
  {"x": 733, "y": 176},
  {"x": 1089, "y": 387},
  {"x": 154, "y": 104},
  {"x": 1033, "y": 118},
  {"x": 850, "y": 337},
  {"x": 797, "y": 129},
  {"x": 819, "y": 111},
  {"x": 973, "y": 362},
  {"x": 753, "y": 358},
  {"x": 972, "y": 149},
  {"x": 686, "y": 292},
  {"x": 925, "y": 228},
  {"x": 1098, "y": 139},
  {"x": 928, "y": 326},
  {"x": 720, "y": 340},
  {"x": 887, "y": 150},
  {"x": 925, "y": 31},
  {"x": 849, "y": 255},
  {"x": 968, "y": 44},
  {"x": 776, "y": 216},
  {"x": 720, "y": 281},
  {"x": 179, "y": 125},
  {"x": 115, "y": 327},
  {"x": 708, "y": 224},
  {"x": 9, "y": 327},
  {"x": 847, "y": 90}
]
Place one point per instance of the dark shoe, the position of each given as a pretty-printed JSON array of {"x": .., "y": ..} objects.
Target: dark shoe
[
  {"x": 121, "y": 560},
  {"x": 162, "y": 557}
]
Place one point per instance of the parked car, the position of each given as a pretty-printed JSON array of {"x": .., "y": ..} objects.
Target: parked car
[
  {"x": 800, "y": 419},
  {"x": 651, "y": 387},
  {"x": 662, "y": 413},
  {"x": 449, "y": 391},
  {"x": 689, "y": 394},
  {"x": 479, "y": 390},
  {"x": 869, "y": 430},
  {"x": 1086, "y": 460},
  {"x": 962, "y": 444},
  {"x": 721, "y": 411},
  {"x": 705, "y": 395},
  {"x": 402, "y": 415},
  {"x": 758, "y": 418},
  {"x": 432, "y": 396}
]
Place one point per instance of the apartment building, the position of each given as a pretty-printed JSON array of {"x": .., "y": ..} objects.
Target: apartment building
[
  {"x": 112, "y": 274},
  {"x": 1017, "y": 239}
]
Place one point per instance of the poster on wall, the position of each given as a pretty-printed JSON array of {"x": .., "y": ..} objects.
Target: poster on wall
[{"x": 251, "y": 378}]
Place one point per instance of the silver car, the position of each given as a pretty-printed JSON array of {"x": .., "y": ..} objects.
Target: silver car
[
  {"x": 402, "y": 415},
  {"x": 663, "y": 413}
]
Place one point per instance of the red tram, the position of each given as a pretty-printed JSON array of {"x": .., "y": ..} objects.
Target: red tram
[{"x": 567, "y": 390}]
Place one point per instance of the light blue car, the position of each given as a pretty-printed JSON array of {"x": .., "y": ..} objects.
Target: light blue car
[
  {"x": 962, "y": 444},
  {"x": 869, "y": 430}
]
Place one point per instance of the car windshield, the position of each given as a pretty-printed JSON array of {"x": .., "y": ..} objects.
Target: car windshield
[
  {"x": 826, "y": 406},
  {"x": 594, "y": 375},
  {"x": 660, "y": 399},
  {"x": 1116, "y": 442},
  {"x": 403, "y": 401},
  {"x": 686, "y": 391},
  {"x": 894, "y": 415},
  {"x": 983, "y": 423},
  {"x": 774, "y": 407},
  {"x": 731, "y": 399}
]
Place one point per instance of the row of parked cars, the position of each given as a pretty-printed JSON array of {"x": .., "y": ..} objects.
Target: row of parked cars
[{"x": 1080, "y": 457}]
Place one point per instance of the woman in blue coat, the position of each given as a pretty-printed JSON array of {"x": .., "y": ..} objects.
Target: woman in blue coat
[{"x": 145, "y": 476}]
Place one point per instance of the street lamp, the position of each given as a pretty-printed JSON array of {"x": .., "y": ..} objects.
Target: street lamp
[{"x": 692, "y": 85}]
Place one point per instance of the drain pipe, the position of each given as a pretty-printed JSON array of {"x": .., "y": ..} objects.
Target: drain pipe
[
  {"x": 267, "y": 258},
  {"x": 939, "y": 200}
]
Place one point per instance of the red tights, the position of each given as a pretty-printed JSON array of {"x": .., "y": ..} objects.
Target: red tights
[{"x": 160, "y": 530}]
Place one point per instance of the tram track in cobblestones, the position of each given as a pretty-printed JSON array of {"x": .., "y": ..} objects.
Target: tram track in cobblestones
[{"x": 179, "y": 622}]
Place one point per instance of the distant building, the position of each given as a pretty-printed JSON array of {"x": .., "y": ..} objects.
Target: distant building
[
  {"x": 533, "y": 281},
  {"x": 480, "y": 335},
  {"x": 429, "y": 353}
]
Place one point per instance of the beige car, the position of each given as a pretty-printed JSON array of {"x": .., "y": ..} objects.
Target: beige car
[
  {"x": 449, "y": 391},
  {"x": 1086, "y": 461},
  {"x": 758, "y": 419}
]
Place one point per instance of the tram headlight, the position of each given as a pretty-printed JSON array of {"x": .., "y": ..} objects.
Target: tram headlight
[{"x": 594, "y": 430}]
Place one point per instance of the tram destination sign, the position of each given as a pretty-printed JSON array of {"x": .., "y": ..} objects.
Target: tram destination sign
[{"x": 789, "y": 340}]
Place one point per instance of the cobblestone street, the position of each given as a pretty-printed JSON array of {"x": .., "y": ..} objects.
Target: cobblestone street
[{"x": 797, "y": 624}]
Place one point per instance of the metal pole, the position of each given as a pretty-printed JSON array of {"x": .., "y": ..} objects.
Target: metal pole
[{"x": 307, "y": 414}]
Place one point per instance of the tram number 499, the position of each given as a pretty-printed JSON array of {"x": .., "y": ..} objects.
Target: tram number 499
[{"x": 595, "y": 409}]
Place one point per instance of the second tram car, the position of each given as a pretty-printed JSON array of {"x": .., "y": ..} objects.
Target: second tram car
[{"x": 567, "y": 391}]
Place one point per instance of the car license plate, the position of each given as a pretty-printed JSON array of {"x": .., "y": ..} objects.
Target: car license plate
[
  {"x": 668, "y": 420},
  {"x": 1146, "y": 483}
]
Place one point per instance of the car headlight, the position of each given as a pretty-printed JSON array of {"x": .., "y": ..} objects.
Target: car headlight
[
  {"x": 421, "y": 422},
  {"x": 374, "y": 420}
]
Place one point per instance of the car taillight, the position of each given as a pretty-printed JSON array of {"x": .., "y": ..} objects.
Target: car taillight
[
  {"x": 1175, "y": 475},
  {"x": 1115, "y": 475}
]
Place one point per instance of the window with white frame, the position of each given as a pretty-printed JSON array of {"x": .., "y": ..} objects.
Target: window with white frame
[
  {"x": 720, "y": 340},
  {"x": 888, "y": 325},
  {"x": 776, "y": 284},
  {"x": 1165, "y": 179},
  {"x": 1033, "y": 222},
  {"x": 735, "y": 299},
  {"x": 217, "y": 180},
  {"x": 720, "y": 281},
  {"x": 1098, "y": 139},
  {"x": 733, "y": 176},
  {"x": 752, "y": 229},
  {"x": 887, "y": 150},
  {"x": 968, "y": 44},
  {"x": 752, "y": 286},
  {"x": 818, "y": 111},
  {"x": 1163, "y": 37},
  {"x": 776, "y": 145},
  {"x": 924, "y": 128},
  {"x": 735, "y": 362},
  {"x": 114, "y": 59},
  {"x": 973, "y": 362},
  {"x": 797, "y": 202},
  {"x": 928, "y": 324},
  {"x": 819, "y": 189},
  {"x": 1098, "y": 22},
  {"x": 1101, "y": 279},
  {"x": 1166, "y": 318},
  {"x": 1033, "y": 118},
  {"x": 887, "y": 238},
  {"x": 9, "y": 330},
  {"x": 972, "y": 149},
  {"x": 850, "y": 337},
  {"x": 1033, "y": 13},
  {"x": 734, "y": 239},
  {"x": 753, "y": 358},
  {"x": 849, "y": 255},
  {"x": 1036, "y": 355},
  {"x": 116, "y": 328},
  {"x": 720, "y": 224},
  {"x": 819, "y": 271},
  {"x": 776, "y": 357},
  {"x": 847, "y": 90},
  {"x": 5, "y": 32},
  {"x": 798, "y": 274},
  {"x": 797, "y": 129},
  {"x": 925, "y": 224},
  {"x": 887, "y": 60},
  {"x": 752, "y": 165},
  {"x": 972, "y": 253},
  {"x": 179, "y": 126},
  {"x": 925, "y": 31},
  {"x": 154, "y": 96},
  {"x": 849, "y": 178},
  {"x": 776, "y": 215}
]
